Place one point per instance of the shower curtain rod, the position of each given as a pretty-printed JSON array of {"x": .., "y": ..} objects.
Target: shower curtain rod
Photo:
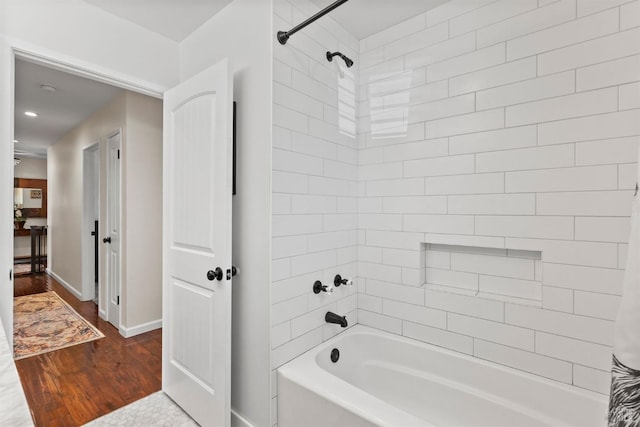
[{"x": 283, "y": 36}]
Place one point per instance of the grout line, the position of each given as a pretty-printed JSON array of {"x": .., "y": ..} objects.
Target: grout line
[{"x": 619, "y": 17}]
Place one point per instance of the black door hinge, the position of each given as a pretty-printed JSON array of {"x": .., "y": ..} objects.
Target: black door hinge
[
  {"x": 118, "y": 298},
  {"x": 118, "y": 154}
]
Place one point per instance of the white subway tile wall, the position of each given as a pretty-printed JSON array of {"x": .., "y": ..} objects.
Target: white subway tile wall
[
  {"x": 315, "y": 183},
  {"x": 498, "y": 143},
  {"x": 473, "y": 172}
]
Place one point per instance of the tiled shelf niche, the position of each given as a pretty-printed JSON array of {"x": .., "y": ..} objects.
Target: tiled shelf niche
[{"x": 498, "y": 274}]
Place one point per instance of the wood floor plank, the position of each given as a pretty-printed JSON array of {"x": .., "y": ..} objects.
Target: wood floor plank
[{"x": 72, "y": 386}]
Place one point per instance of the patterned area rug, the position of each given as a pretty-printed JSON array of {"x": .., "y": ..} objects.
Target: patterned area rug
[{"x": 44, "y": 322}]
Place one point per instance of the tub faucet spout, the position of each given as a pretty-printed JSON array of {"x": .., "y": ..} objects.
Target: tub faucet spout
[{"x": 334, "y": 318}]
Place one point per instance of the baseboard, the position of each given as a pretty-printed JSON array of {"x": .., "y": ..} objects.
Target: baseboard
[
  {"x": 238, "y": 421},
  {"x": 140, "y": 329},
  {"x": 102, "y": 314},
  {"x": 64, "y": 283}
]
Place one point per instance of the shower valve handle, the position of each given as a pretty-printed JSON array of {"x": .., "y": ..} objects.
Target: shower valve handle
[
  {"x": 338, "y": 280},
  {"x": 319, "y": 287}
]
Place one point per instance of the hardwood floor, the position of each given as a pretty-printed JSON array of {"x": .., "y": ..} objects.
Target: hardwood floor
[{"x": 72, "y": 386}]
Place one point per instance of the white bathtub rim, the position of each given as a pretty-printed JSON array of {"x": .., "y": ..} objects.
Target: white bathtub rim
[
  {"x": 349, "y": 397},
  {"x": 316, "y": 379},
  {"x": 362, "y": 329},
  {"x": 473, "y": 390}
]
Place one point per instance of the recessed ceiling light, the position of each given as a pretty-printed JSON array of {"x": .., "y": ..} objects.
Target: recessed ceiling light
[
  {"x": 30, "y": 114},
  {"x": 48, "y": 88}
]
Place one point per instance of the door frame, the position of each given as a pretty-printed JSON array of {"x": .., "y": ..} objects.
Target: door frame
[
  {"x": 10, "y": 49},
  {"x": 89, "y": 200},
  {"x": 105, "y": 224}
]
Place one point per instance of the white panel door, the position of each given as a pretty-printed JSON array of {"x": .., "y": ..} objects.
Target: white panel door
[
  {"x": 112, "y": 239},
  {"x": 197, "y": 184}
]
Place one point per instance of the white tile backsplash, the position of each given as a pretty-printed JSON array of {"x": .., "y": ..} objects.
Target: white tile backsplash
[
  {"x": 548, "y": 367},
  {"x": 540, "y": 227},
  {"x": 564, "y": 107},
  {"x": 602, "y": 126},
  {"x": 447, "y": 49},
  {"x": 315, "y": 184},
  {"x": 629, "y": 96},
  {"x": 438, "y": 336},
  {"x": 614, "y": 46},
  {"x": 526, "y": 159},
  {"x": 490, "y": 14},
  {"x": 543, "y": 164},
  {"x": 592, "y": 379},
  {"x": 525, "y": 91},
  {"x": 492, "y": 204},
  {"x": 563, "y": 179},
  {"x": 619, "y": 71},
  {"x": 630, "y": 15},
  {"x": 572, "y": 32},
  {"x": 464, "y": 304},
  {"x": 526, "y": 23},
  {"x": 557, "y": 299},
  {"x": 564, "y": 324},
  {"x": 467, "y": 123},
  {"x": 483, "y": 129},
  {"x": 466, "y": 63},
  {"x": 581, "y": 352},
  {"x": 496, "y": 140},
  {"x": 497, "y": 332},
  {"x": 513, "y": 71},
  {"x": 414, "y": 313},
  {"x": 591, "y": 203}
]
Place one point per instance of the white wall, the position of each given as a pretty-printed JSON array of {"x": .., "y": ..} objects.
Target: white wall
[
  {"x": 315, "y": 182},
  {"x": 142, "y": 214},
  {"x": 518, "y": 128},
  {"x": 140, "y": 119},
  {"x": 31, "y": 168},
  {"x": 87, "y": 34},
  {"x": 88, "y": 38},
  {"x": 242, "y": 33},
  {"x": 6, "y": 184},
  {"x": 65, "y": 185}
]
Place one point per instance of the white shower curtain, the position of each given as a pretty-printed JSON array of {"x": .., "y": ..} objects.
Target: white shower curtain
[{"x": 624, "y": 401}]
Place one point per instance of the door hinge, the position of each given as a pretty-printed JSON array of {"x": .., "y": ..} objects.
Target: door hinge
[
  {"x": 118, "y": 154},
  {"x": 118, "y": 300}
]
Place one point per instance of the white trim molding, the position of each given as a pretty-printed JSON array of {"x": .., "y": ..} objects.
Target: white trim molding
[
  {"x": 238, "y": 421},
  {"x": 64, "y": 283},
  {"x": 140, "y": 329}
]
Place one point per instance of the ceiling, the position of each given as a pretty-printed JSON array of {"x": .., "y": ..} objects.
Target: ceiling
[
  {"x": 363, "y": 18},
  {"x": 175, "y": 19},
  {"x": 74, "y": 100}
]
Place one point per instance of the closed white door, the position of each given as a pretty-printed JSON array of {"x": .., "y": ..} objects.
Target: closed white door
[
  {"x": 112, "y": 239},
  {"x": 197, "y": 184}
]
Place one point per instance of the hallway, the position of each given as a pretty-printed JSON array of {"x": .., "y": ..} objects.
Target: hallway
[{"x": 72, "y": 386}]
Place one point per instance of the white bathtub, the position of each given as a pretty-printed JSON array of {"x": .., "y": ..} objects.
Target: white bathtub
[{"x": 386, "y": 380}]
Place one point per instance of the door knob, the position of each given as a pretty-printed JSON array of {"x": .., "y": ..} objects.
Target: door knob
[
  {"x": 106, "y": 240},
  {"x": 215, "y": 274},
  {"x": 231, "y": 272}
]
